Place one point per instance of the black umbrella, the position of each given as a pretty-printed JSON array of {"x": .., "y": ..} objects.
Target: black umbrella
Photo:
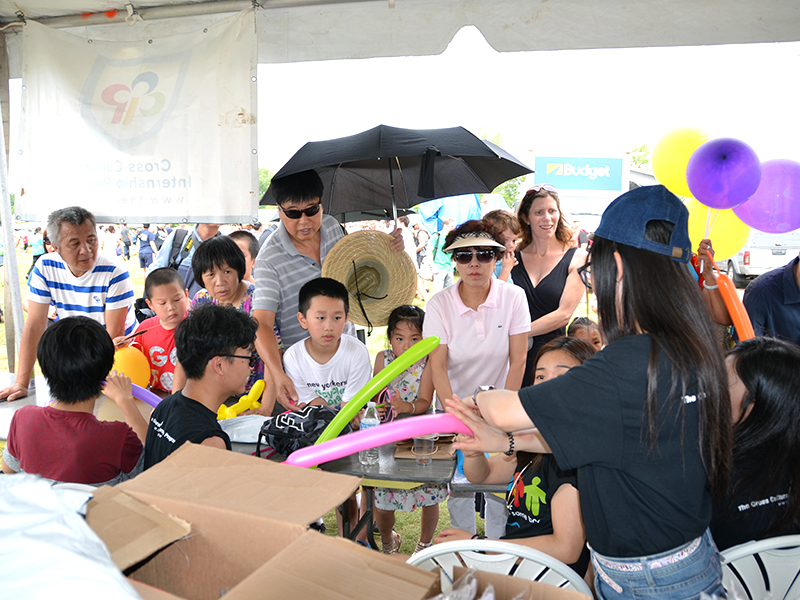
[{"x": 389, "y": 167}]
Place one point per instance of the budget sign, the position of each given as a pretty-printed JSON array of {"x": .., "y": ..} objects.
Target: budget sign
[{"x": 574, "y": 173}]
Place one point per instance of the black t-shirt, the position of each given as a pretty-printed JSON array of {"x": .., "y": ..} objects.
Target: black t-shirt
[
  {"x": 635, "y": 501},
  {"x": 178, "y": 419},
  {"x": 531, "y": 503},
  {"x": 751, "y": 512}
]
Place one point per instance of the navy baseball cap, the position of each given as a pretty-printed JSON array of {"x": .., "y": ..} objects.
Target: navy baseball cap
[{"x": 625, "y": 220}]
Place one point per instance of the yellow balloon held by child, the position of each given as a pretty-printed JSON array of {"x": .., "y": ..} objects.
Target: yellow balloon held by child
[
  {"x": 725, "y": 230},
  {"x": 132, "y": 363}
]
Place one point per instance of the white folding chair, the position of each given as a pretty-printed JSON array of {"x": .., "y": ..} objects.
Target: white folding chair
[
  {"x": 511, "y": 559},
  {"x": 755, "y": 569}
]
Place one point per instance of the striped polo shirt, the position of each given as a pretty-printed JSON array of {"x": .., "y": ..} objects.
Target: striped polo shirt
[
  {"x": 281, "y": 271},
  {"x": 106, "y": 286}
]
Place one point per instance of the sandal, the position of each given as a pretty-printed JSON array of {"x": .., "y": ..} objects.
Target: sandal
[
  {"x": 393, "y": 546},
  {"x": 421, "y": 546}
]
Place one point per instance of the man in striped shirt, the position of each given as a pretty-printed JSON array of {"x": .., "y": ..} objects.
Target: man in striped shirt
[{"x": 79, "y": 282}]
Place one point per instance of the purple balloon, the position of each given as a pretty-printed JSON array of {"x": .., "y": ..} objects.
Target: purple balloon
[
  {"x": 775, "y": 206},
  {"x": 723, "y": 173},
  {"x": 145, "y": 395}
]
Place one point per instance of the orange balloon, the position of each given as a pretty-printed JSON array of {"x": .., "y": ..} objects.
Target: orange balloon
[
  {"x": 739, "y": 316},
  {"x": 133, "y": 363}
]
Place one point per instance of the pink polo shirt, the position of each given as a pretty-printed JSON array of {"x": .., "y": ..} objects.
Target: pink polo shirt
[{"x": 477, "y": 341}]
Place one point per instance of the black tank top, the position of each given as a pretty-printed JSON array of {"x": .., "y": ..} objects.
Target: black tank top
[{"x": 542, "y": 299}]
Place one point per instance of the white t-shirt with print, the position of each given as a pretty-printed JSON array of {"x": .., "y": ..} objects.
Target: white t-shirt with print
[{"x": 337, "y": 380}]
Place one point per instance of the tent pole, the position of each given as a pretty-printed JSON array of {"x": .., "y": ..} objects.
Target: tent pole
[{"x": 11, "y": 290}]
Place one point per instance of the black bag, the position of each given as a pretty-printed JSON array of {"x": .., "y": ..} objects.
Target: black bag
[{"x": 296, "y": 429}]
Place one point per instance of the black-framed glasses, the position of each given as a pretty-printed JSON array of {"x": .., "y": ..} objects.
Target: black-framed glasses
[
  {"x": 464, "y": 257},
  {"x": 253, "y": 359},
  {"x": 585, "y": 273},
  {"x": 296, "y": 213}
]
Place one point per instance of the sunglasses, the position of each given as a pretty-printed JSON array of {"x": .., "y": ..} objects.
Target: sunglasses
[
  {"x": 464, "y": 257},
  {"x": 585, "y": 273},
  {"x": 544, "y": 186},
  {"x": 296, "y": 213},
  {"x": 253, "y": 359}
]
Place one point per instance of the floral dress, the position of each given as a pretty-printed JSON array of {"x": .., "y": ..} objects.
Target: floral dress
[
  {"x": 246, "y": 306},
  {"x": 407, "y": 385}
]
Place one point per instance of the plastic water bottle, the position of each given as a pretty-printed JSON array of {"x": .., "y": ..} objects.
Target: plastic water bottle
[{"x": 370, "y": 419}]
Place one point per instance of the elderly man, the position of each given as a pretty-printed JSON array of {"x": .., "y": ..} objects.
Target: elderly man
[
  {"x": 292, "y": 256},
  {"x": 80, "y": 283}
]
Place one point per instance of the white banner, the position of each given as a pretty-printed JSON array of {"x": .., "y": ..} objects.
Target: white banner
[{"x": 161, "y": 130}]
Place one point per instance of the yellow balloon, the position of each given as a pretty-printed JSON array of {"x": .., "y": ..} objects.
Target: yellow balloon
[
  {"x": 726, "y": 231},
  {"x": 133, "y": 363},
  {"x": 671, "y": 155}
]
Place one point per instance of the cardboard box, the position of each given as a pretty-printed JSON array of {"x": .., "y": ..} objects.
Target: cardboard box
[
  {"x": 249, "y": 533},
  {"x": 509, "y": 588}
]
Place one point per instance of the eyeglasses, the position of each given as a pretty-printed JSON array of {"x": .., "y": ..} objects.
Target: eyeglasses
[
  {"x": 464, "y": 257},
  {"x": 296, "y": 213},
  {"x": 253, "y": 359},
  {"x": 585, "y": 273}
]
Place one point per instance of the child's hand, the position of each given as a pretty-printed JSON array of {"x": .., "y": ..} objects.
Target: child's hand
[
  {"x": 398, "y": 405},
  {"x": 355, "y": 422},
  {"x": 120, "y": 341},
  {"x": 381, "y": 410},
  {"x": 509, "y": 261},
  {"x": 452, "y": 535},
  {"x": 118, "y": 387}
]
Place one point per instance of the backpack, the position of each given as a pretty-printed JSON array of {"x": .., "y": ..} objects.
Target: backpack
[
  {"x": 296, "y": 429},
  {"x": 177, "y": 256}
]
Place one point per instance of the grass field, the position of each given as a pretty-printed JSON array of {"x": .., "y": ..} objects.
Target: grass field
[{"x": 407, "y": 524}]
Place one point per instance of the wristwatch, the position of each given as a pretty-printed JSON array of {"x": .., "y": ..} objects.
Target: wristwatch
[{"x": 480, "y": 388}]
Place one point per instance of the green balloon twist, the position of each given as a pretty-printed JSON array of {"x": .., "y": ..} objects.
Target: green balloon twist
[{"x": 375, "y": 385}]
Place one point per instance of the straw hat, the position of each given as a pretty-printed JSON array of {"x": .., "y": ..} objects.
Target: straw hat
[{"x": 385, "y": 278}]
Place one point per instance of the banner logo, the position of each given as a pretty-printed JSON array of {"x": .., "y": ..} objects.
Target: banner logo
[
  {"x": 129, "y": 101},
  {"x": 555, "y": 169},
  {"x": 126, "y": 102}
]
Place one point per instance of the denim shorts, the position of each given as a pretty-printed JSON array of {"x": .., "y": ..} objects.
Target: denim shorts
[{"x": 681, "y": 573}]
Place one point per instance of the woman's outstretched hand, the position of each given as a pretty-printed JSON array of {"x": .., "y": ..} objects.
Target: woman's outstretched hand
[{"x": 484, "y": 438}]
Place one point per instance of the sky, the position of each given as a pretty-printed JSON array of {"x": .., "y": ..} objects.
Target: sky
[{"x": 587, "y": 103}]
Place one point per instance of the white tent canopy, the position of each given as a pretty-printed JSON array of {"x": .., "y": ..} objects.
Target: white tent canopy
[{"x": 293, "y": 31}]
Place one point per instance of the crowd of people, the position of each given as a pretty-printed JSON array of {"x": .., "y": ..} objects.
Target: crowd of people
[{"x": 633, "y": 447}]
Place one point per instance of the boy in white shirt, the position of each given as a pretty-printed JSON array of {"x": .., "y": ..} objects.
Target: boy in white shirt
[{"x": 327, "y": 368}]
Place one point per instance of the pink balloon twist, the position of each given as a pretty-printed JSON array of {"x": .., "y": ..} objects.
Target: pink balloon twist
[{"x": 351, "y": 443}]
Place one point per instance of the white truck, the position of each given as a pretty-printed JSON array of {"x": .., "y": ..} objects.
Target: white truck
[{"x": 762, "y": 252}]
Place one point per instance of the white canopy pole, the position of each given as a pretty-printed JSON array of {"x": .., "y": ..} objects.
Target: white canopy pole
[{"x": 13, "y": 296}]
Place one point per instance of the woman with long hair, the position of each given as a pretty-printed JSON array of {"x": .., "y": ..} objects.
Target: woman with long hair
[
  {"x": 546, "y": 269},
  {"x": 646, "y": 421},
  {"x": 764, "y": 496}
]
